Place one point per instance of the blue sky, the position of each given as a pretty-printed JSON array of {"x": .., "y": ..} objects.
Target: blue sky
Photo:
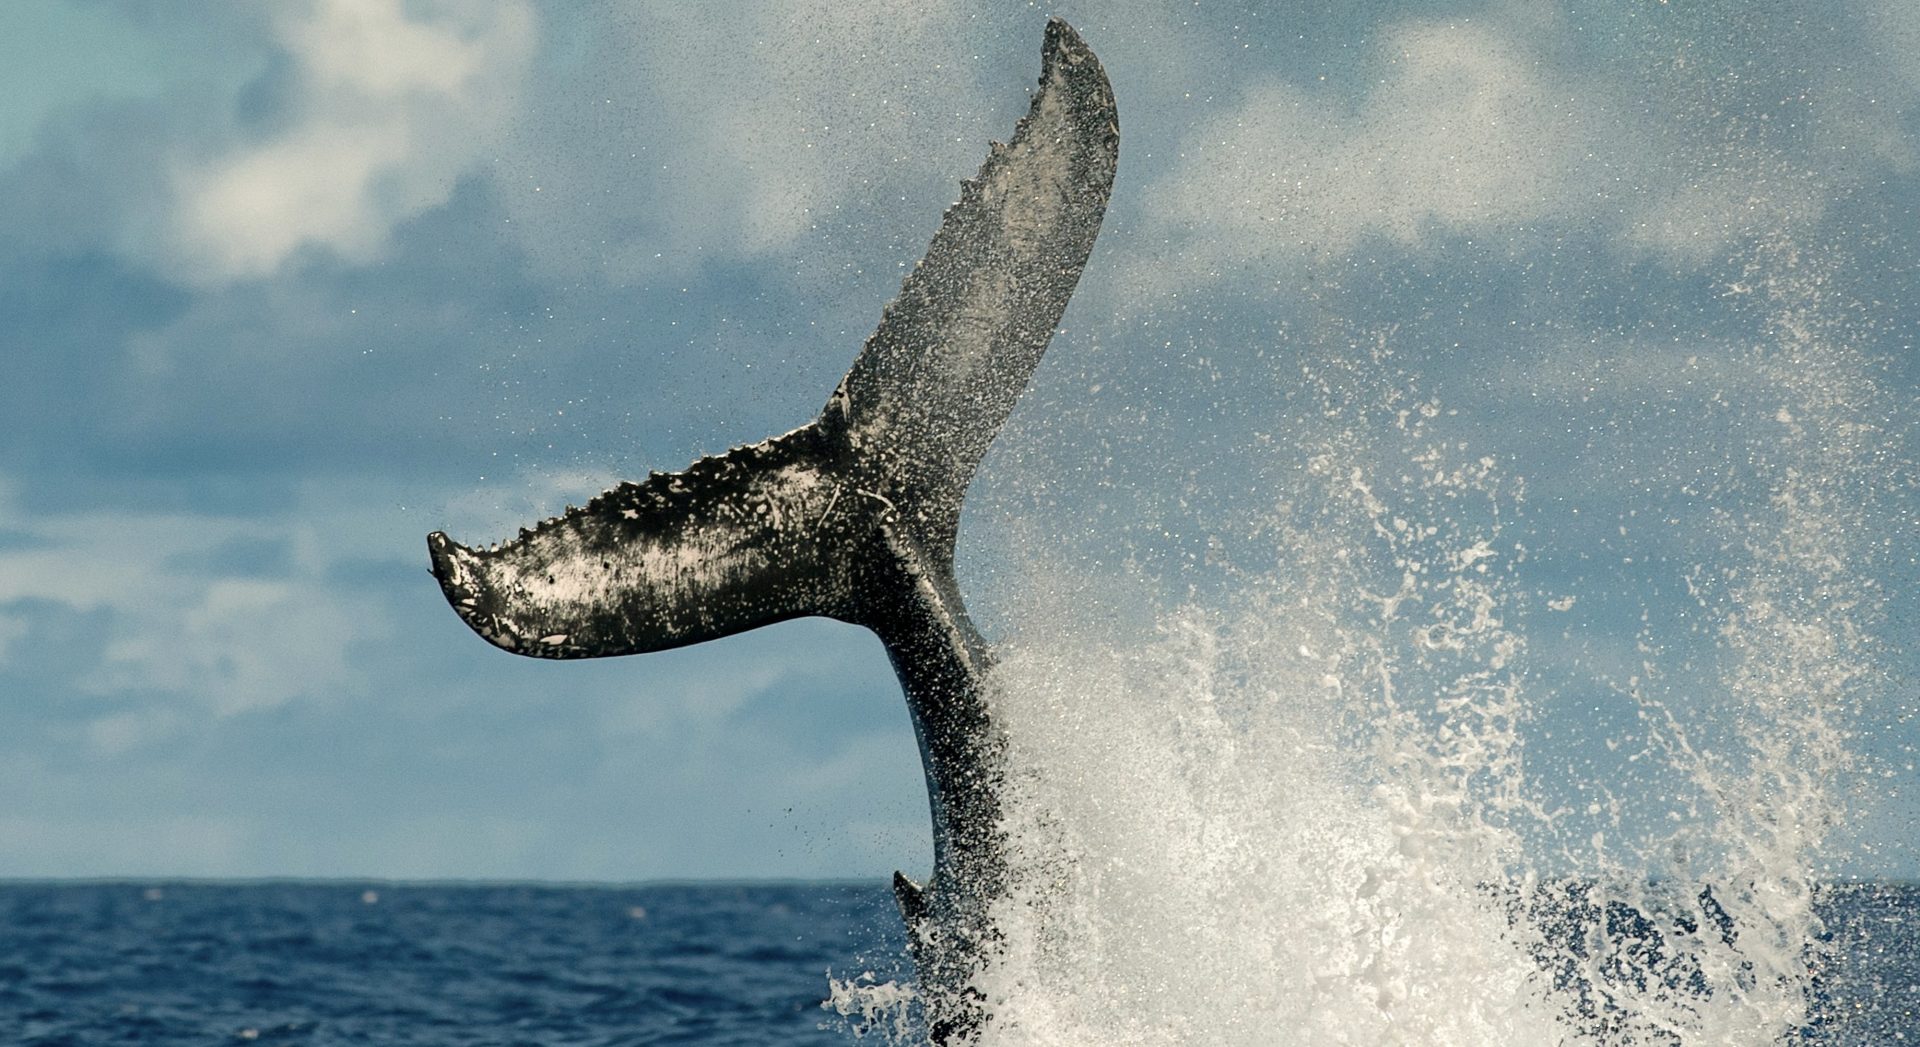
[{"x": 284, "y": 287}]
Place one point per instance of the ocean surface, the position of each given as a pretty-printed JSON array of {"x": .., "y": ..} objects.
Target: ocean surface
[
  {"x": 394, "y": 964},
  {"x": 432, "y": 964}
]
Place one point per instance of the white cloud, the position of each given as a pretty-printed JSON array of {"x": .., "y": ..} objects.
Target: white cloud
[
  {"x": 1471, "y": 130},
  {"x": 12, "y": 628},
  {"x": 688, "y": 137},
  {"x": 1896, "y": 31},
  {"x": 395, "y": 102},
  {"x": 1465, "y": 132},
  {"x": 693, "y": 689},
  {"x": 116, "y": 733},
  {"x": 219, "y": 644},
  {"x": 240, "y": 644},
  {"x": 90, "y": 843}
]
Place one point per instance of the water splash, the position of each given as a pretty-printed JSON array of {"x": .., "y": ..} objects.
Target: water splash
[
  {"x": 866, "y": 1006},
  {"x": 1283, "y": 813},
  {"x": 1333, "y": 800}
]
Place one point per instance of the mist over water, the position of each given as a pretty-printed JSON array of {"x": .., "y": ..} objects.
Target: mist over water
[{"x": 1388, "y": 772}]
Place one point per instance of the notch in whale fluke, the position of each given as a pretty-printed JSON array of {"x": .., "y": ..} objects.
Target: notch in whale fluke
[{"x": 781, "y": 529}]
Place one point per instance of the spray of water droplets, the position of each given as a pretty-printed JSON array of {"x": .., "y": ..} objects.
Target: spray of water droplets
[{"x": 1336, "y": 801}]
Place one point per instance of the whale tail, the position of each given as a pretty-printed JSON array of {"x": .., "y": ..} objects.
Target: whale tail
[{"x": 779, "y": 529}]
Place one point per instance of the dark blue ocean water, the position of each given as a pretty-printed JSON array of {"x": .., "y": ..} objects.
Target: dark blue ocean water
[
  {"x": 432, "y": 964},
  {"x": 667, "y": 964}
]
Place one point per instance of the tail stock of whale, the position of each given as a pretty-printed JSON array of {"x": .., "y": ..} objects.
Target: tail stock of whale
[{"x": 853, "y": 516}]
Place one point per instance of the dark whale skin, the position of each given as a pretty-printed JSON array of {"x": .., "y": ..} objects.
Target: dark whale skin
[{"x": 854, "y": 515}]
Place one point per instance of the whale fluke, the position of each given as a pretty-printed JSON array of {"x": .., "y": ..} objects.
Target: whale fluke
[
  {"x": 736, "y": 541},
  {"x": 753, "y": 536},
  {"x": 853, "y": 516}
]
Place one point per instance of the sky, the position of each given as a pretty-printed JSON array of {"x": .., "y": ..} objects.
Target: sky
[{"x": 284, "y": 287}]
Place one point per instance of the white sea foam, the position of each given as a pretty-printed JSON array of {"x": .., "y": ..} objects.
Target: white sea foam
[
  {"x": 1398, "y": 775},
  {"x": 1336, "y": 801}
]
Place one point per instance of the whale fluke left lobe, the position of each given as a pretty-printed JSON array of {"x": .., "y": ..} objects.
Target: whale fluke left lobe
[{"x": 733, "y": 542}]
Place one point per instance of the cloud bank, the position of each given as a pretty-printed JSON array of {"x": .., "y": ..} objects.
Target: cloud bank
[
  {"x": 341, "y": 272},
  {"x": 389, "y": 104},
  {"x": 1461, "y": 129}
]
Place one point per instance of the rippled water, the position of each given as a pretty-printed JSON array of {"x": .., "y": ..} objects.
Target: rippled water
[
  {"x": 692, "y": 964},
  {"x": 416, "y": 964}
]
